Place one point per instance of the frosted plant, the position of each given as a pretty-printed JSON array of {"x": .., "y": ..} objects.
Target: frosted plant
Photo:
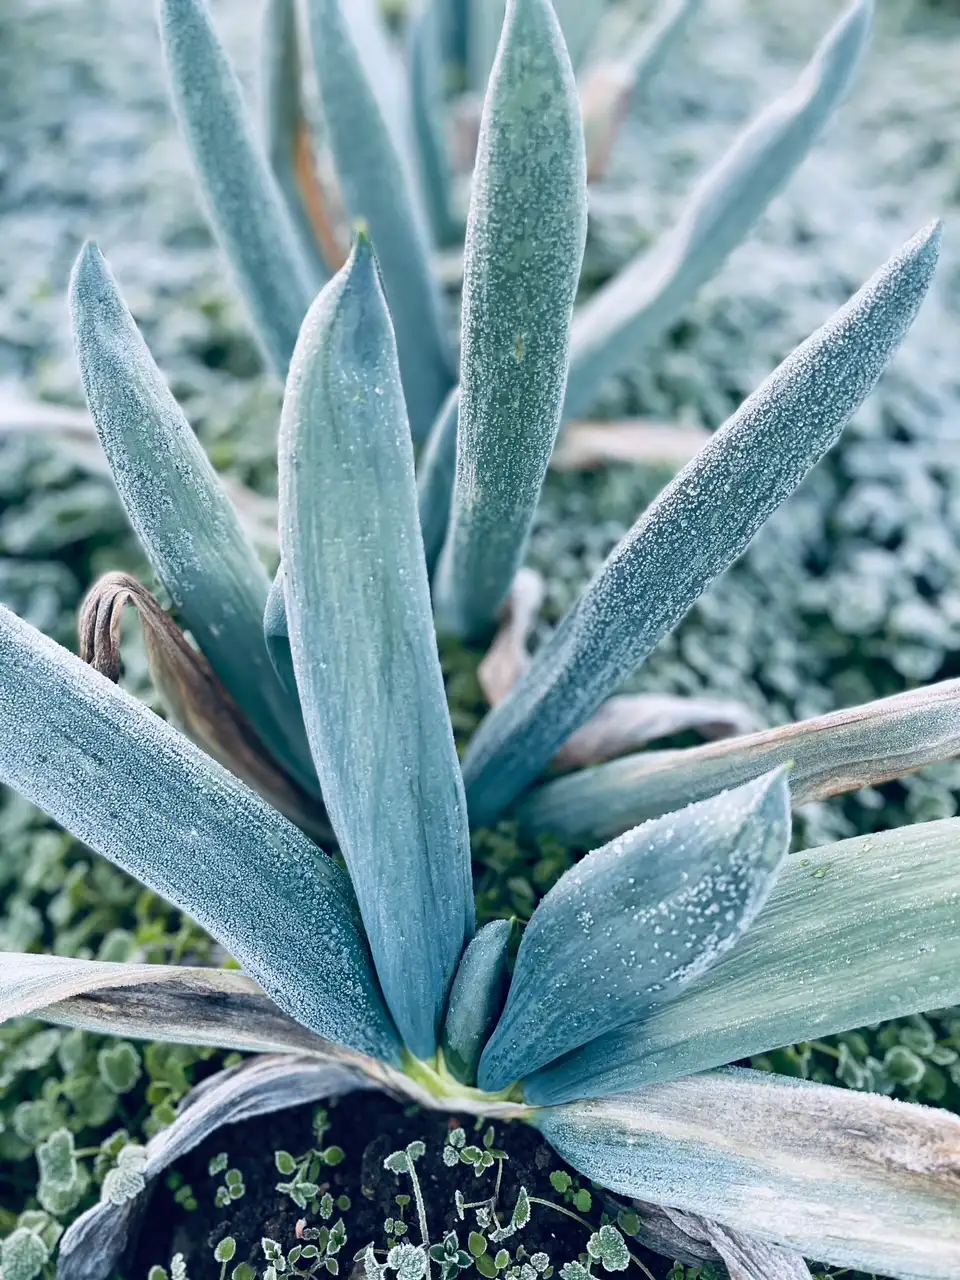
[
  {"x": 382, "y": 132},
  {"x": 687, "y": 939}
]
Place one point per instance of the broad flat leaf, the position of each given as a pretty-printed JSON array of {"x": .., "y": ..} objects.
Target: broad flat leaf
[
  {"x": 180, "y": 512},
  {"x": 634, "y": 923},
  {"x": 289, "y": 143},
  {"x": 94, "y": 1246},
  {"x": 436, "y": 468},
  {"x": 244, "y": 203},
  {"x": 842, "y": 751},
  {"x": 627, "y": 721},
  {"x": 377, "y": 190},
  {"x": 136, "y": 791},
  {"x": 476, "y": 999},
  {"x": 645, "y": 298},
  {"x": 525, "y": 237},
  {"x": 613, "y": 84},
  {"x": 151, "y": 1002},
  {"x": 426, "y": 90},
  {"x": 848, "y": 1178},
  {"x": 696, "y": 528},
  {"x": 854, "y": 933},
  {"x": 364, "y": 649}
]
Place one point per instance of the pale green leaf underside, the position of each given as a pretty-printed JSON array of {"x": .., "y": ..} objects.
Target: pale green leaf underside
[
  {"x": 166, "y": 1002},
  {"x": 645, "y": 298},
  {"x": 376, "y": 188},
  {"x": 364, "y": 650},
  {"x": 244, "y": 203},
  {"x": 848, "y": 1178},
  {"x": 635, "y": 923},
  {"x": 180, "y": 511},
  {"x": 854, "y": 933},
  {"x": 857, "y": 747},
  {"x": 696, "y": 528},
  {"x": 136, "y": 791},
  {"x": 524, "y": 248}
]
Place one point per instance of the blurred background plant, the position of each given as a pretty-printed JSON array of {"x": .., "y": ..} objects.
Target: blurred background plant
[{"x": 851, "y": 592}]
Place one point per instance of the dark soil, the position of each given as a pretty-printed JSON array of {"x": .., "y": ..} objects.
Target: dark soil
[{"x": 368, "y": 1128}]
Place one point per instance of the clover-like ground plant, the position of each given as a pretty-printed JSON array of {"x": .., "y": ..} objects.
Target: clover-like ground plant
[{"x": 687, "y": 939}]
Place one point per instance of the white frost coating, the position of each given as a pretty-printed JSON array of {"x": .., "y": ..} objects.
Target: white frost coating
[
  {"x": 849, "y": 1178},
  {"x": 246, "y": 209},
  {"x": 364, "y": 649},
  {"x": 857, "y": 747},
  {"x": 696, "y": 528},
  {"x": 853, "y": 933},
  {"x": 524, "y": 248},
  {"x": 376, "y": 189},
  {"x": 180, "y": 511},
  {"x": 136, "y": 791},
  {"x": 647, "y": 295},
  {"x": 151, "y": 1001},
  {"x": 635, "y": 922}
]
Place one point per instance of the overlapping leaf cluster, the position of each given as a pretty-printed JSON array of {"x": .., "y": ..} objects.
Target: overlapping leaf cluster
[{"x": 633, "y": 973}]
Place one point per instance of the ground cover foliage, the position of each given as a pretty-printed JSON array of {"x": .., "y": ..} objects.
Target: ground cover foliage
[{"x": 850, "y": 593}]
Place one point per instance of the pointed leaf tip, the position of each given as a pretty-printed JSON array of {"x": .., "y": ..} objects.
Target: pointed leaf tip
[
  {"x": 352, "y": 551},
  {"x": 638, "y": 921},
  {"x": 698, "y": 526}
]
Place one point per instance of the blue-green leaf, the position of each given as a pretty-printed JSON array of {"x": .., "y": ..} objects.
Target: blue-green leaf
[
  {"x": 244, "y": 204},
  {"x": 476, "y": 999},
  {"x": 364, "y": 650},
  {"x": 180, "y": 512},
  {"x": 285, "y": 124},
  {"x": 853, "y": 933},
  {"x": 646, "y": 297},
  {"x": 136, "y": 791},
  {"x": 485, "y": 23},
  {"x": 524, "y": 248},
  {"x": 277, "y": 635},
  {"x": 377, "y": 189},
  {"x": 579, "y": 22},
  {"x": 696, "y": 528},
  {"x": 426, "y": 90},
  {"x": 849, "y": 1178},
  {"x": 830, "y": 754},
  {"x": 436, "y": 468},
  {"x": 152, "y": 1002},
  {"x": 636, "y": 922}
]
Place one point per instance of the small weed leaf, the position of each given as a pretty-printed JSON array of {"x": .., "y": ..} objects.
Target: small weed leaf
[
  {"x": 408, "y": 1260},
  {"x": 521, "y": 1211},
  {"x": 608, "y": 1247},
  {"x": 58, "y": 1164},
  {"x": 119, "y": 1067},
  {"x": 574, "y": 1271},
  {"x": 283, "y": 1160},
  {"x": 226, "y": 1249},
  {"x": 23, "y": 1255}
]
